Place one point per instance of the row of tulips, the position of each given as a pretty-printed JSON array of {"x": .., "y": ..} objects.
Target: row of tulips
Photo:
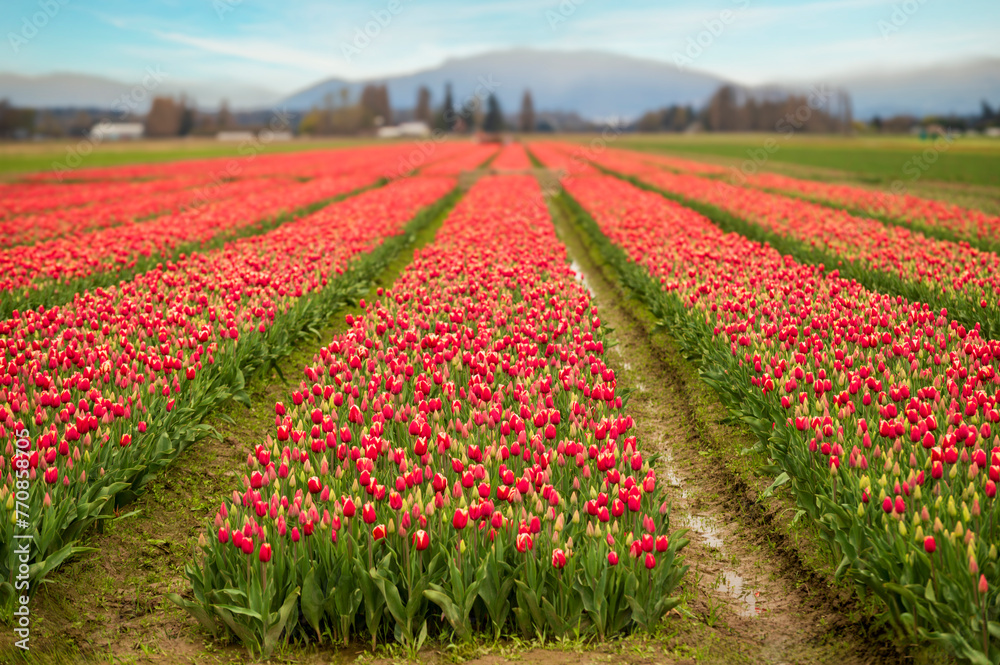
[
  {"x": 674, "y": 163},
  {"x": 934, "y": 218},
  {"x": 44, "y": 211},
  {"x": 114, "y": 385},
  {"x": 566, "y": 160},
  {"x": 39, "y": 211},
  {"x": 51, "y": 272},
  {"x": 32, "y": 198},
  {"x": 881, "y": 412},
  {"x": 442, "y": 159},
  {"x": 458, "y": 460},
  {"x": 886, "y": 258},
  {"x": 250, "y": 159},
  {"x": 140, "y": 206},
  {"x": 513, "y": 157}
]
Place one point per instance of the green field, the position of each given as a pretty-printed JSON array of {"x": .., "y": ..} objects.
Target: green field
[{"x": 973, "y": 161}]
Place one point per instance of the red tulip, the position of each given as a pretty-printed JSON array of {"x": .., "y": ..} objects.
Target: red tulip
[
  {"x": 558, "y": 559},
  {"x": 368, "y": 513},
  {"x": 265, "y": 552},
  {"x": 421, "y": 540},
  {"x": 534, "y": 525}
]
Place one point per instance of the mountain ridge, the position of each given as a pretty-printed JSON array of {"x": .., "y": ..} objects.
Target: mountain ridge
[{"x": 596, "y": 84}]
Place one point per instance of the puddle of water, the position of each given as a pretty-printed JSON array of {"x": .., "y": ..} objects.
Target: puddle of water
[
  {"x": 575, "y": 267},
  {"x": 706, "y": 527},
  {"x": 669, "y": 471},
  {"x": 733, "y": 584}
]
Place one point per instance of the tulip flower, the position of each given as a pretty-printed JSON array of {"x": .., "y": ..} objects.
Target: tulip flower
[{"x": 421, "y": 540}]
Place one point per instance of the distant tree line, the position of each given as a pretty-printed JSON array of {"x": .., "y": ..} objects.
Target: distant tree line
[
  {"x": 342, "y": 115},
  {"x": 734, "y": 109},
  {"x": 730, "y": 109},
  {"x": 988, "y": 117}
]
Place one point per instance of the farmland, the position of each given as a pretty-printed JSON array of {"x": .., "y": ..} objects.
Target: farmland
[{"x": 537, "y": 400}]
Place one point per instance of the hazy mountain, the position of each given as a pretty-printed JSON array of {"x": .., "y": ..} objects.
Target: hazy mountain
[
  {"x": 941, "y": 89},
  {"x": 592, "y": 83},
  {"x": 83, "y": 90}
]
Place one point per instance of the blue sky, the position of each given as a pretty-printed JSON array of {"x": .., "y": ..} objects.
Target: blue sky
[{"x": 282, "y": 46}]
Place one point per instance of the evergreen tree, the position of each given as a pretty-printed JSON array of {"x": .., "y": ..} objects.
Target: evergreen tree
[
  {"x": 448, "y": 111},
  {"x": 423, "y": 110},
  {"x": 527, "y": 113},
  {"x": 493, "y": 122}
]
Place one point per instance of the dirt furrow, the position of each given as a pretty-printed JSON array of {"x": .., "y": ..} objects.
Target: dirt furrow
[{"x": 737, "y": 584}]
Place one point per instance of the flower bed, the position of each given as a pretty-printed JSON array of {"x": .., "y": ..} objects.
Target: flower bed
[
  {"x": 885, "y": 258},
  {"x": 458, "y": 460},
  {"x": 112, "y": 386}
]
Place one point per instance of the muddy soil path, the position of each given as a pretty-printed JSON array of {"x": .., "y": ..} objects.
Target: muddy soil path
[{"x": 737, "y": 583}]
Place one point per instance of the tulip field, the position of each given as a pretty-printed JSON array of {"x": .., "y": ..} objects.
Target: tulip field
[
  {"x": 460, "y": 458},
  {"x": 880, "y": 410}
]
